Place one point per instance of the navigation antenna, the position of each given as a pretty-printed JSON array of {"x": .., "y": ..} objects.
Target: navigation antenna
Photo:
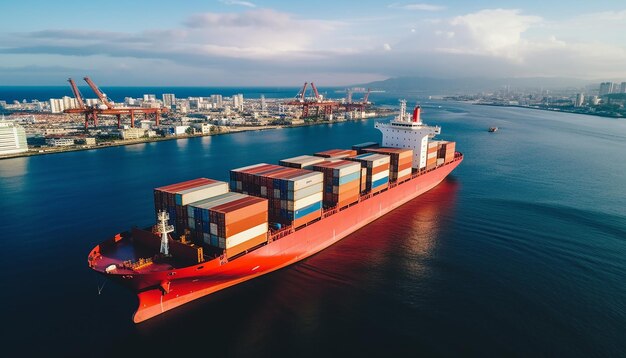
[
  {"x": 164, "y": 228},
  {"x": 402, "y": 110}
]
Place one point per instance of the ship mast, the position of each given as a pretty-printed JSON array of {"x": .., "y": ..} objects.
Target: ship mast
[{"x": 164, "y": 228}]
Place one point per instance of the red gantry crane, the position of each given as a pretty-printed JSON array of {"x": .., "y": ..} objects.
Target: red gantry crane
[
  {"x": 349, "y": 105},
  {"x": 321, "y": 106},
  {"x": 107, "y": 107}
]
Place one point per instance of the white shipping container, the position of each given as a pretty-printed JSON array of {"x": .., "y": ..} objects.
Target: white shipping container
[
  {"x": 246, "y": 235},
  {"x": 302, "y": 161},
  {"x": 305, "y": 180},
  {"x": 304, "y": 192},
  {"x": 299, "y": 204},
  {"x": 380, "y": 175},
  {"x": 347, "y": 169},
  {"x": 404, "y": 172},
  {"x": 203, "y": 192}
]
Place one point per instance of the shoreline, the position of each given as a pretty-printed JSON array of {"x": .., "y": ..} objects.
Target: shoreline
[
  {"x": 161, "y": 139},
  {"x": 545, "y": 109}
]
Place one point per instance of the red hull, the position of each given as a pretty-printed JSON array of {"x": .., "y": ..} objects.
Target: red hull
[{"x": 167, "y": 289}]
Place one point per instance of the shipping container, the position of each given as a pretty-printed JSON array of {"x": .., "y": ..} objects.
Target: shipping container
[
  {"x": 301, "y": 162},
  {"x": 174, "y": 198},
  {"x": 336, "y": 153},
  {"x": 360, "y": 148}
]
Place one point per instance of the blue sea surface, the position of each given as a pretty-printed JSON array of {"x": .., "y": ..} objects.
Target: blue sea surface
[{"x": 521, "y": 251}]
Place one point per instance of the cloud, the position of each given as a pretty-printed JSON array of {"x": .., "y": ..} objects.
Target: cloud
[
  {"x": 417, "y": 7},
  {"x": 496, "y": 32},
  {"x": 238, "y": 2},
  {"x": 267, "y": 47}
]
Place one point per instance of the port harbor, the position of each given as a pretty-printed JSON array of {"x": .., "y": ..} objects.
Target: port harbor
[{"x": 76, "y": 122}]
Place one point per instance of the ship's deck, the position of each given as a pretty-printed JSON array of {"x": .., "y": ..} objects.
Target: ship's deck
[{"x": 131, "y": 256}]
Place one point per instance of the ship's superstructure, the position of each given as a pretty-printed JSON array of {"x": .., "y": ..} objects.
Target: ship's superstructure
[
  {"x": 270, "y": 216},
  {"x": 409, "y": 132}
]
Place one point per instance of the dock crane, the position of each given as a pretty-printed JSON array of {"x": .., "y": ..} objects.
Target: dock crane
[
  {"x": 325, "y": 107},
  {"x": 108, "y": 108}
]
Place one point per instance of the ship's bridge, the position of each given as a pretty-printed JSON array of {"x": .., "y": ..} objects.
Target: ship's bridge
[{"x": 409, "y": 132}]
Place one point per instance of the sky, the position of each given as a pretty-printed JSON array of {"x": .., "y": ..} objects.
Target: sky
[{"x": 280, "y": 43}]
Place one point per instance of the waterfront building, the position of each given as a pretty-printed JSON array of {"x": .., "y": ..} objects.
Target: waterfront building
[
  {"x": 238, "y": 102},
  {"x": 622, "y": 87},
  {"x": 149, "y": 98},
  {"x": 606, "y": 88},
  {"x": 12, "y": 138},
  {"x": 594, "y": 100},
  {"x": 217, "y": 100},
  {"x": 60, "y": 142},
  {"x": 132, "y": 133},
  {"x": 580, "y": 99},
  {"x": 169, "y": 99},
  {"x": 56, "y": 105}
]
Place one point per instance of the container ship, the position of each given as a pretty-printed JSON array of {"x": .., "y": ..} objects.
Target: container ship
[{"x": 210, "y": 234}]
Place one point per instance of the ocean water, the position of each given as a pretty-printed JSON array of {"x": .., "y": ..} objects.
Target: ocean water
[{"x": 520, "y": 252}]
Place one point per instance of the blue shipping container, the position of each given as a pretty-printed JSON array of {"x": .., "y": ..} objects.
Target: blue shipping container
[
  {"x": 307, "y": 210},
  {"x": 379, "y": 182}
]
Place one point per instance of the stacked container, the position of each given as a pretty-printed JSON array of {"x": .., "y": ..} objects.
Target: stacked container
[
  {"x": 342, "y": 182},
  {"x": 301, "y": 162},
  {"x": 432, "y": 154},
  {"x": 447, "y": 151},
  {"x": 232, "y": 222},
  {"x": 175, "y": 198},
  {"x": 360, "y": 147},
  {"x": 336, "y": 153},
  {"x": 295, "y": 195},
  {"x": 401, "y": 161},
  {"x": 377, "y": 170}
]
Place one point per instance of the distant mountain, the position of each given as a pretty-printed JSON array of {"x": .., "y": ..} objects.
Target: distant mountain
[{"x": 471, "y": 85}]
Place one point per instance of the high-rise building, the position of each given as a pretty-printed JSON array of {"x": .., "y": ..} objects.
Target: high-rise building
[
  {"x": 169, "y": 99},
  {"x": 622, "y": 87},
  {"x": 263, "y": 104},
  {"x": 238, "y": 102},
  {"x": 149, "y": 97},
  {"x": 69, "y": 102},
  {"x": 580, "y": 99},
  {"x": 12, "y": 138},
  {"x": 606, "y": 88},
  {"x": 594, "y": 100},
  {"x": 217, "y": 100},
  {"x": 56, "y": 105}
]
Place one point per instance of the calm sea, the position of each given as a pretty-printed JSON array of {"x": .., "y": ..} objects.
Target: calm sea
[{"x": 520, "y": 252}]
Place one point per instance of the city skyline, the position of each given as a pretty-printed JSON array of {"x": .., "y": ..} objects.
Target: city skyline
[{"x": 233, "y": 42}]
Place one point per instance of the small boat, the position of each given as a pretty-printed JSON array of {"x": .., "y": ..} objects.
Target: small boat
[{"x": 493, "y": 129}]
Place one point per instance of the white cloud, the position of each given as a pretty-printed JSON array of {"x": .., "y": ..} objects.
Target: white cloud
[
  {"x": 496, "y": 32},
  {"x": 238, "y": 2},
  {"x": 387, "y": 47},
  {"x": 417, "y": 7}
]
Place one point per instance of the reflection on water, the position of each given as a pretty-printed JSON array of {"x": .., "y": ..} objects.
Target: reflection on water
[
  {"x": 15, "y": 167},
  {"x": 182, "y": 143},
  {"x": 135, "y": 147}
]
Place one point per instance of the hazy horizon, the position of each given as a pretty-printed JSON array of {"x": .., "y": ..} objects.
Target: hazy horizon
[{"x": 274, "y": 43}]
